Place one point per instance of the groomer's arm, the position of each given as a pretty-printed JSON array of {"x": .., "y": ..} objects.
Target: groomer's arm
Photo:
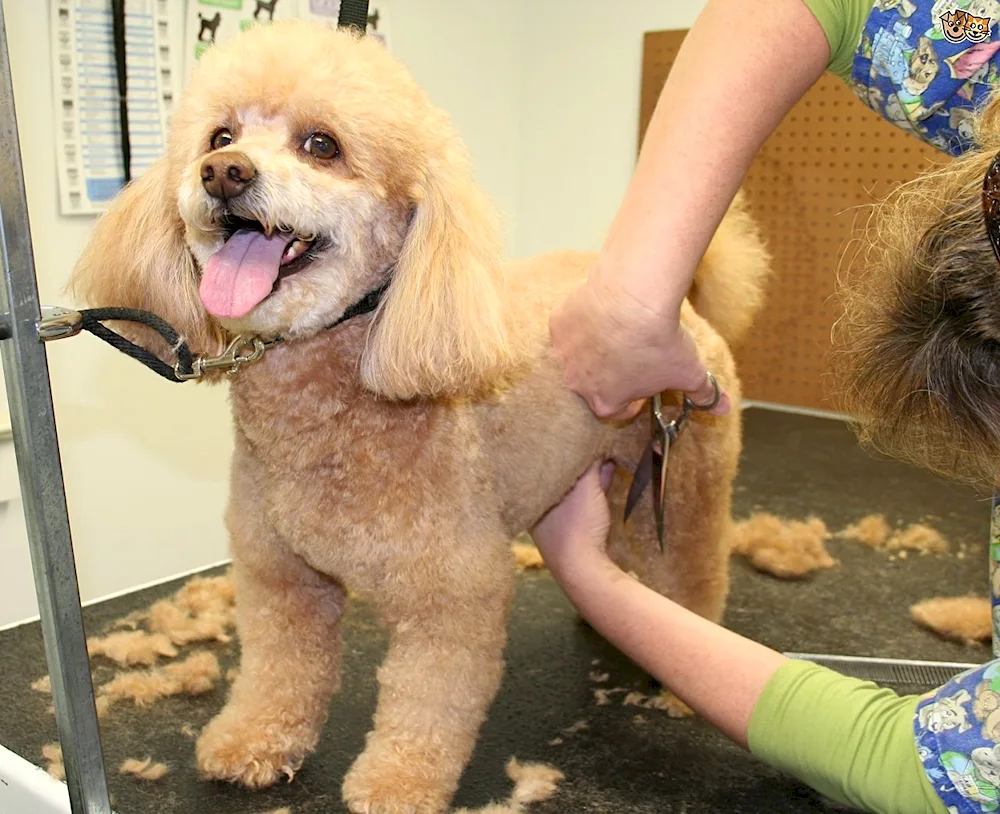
[
  {"x": 742, "y": 66},
  {"x": 849, "y": 739}
]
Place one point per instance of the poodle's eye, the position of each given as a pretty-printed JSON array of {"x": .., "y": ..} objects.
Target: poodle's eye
[
  {"x": 221, "y": 138},
  {"x": 322, "y": 146}
]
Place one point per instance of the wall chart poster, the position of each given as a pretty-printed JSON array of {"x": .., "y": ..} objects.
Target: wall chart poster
[
  {"x": 210, "y": 22},
  {"x": 85, "y": 93}
]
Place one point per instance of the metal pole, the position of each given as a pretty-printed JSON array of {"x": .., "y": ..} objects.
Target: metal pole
[{"x": 36, "y": 445}]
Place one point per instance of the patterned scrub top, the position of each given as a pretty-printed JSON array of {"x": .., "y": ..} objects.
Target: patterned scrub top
[{"x": 925, "y": 66}]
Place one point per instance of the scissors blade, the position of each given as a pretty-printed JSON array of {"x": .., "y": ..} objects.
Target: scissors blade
[
  {"x": 640, "y": 480},
  {"x": 661, "y": 449}
]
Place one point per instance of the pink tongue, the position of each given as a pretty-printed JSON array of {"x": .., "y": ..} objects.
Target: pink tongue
[{"x": 242, "y": 273}]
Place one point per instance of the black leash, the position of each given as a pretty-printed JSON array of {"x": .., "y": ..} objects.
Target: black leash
[
  {"x": 121, "y": 67},
  {"x": 353, "y": 14},
  {"x": 188, "y": 366},
  {"x": 93, "y": 318}
]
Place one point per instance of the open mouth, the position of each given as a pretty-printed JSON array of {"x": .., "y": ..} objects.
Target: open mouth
[
  {"x": 298, "y": 253},
  {"x": 251, "y": 263}
]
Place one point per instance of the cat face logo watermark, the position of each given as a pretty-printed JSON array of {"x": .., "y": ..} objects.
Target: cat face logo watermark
[{"x": 960, "y": 26}]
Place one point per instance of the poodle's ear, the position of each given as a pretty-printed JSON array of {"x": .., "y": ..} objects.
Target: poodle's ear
[
  {"x": 444, "y": 325},
  {"x": 137, "y": 258}
]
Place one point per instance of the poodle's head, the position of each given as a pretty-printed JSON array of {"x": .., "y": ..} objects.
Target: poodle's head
[
  {"x": 306, "y": 168},
  {"x": 918, "y": 345}
]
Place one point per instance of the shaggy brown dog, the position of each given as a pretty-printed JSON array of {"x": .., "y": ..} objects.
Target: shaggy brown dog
[
  {"x": 399, "y": 452},
  {"x": 918, "y": 346}
]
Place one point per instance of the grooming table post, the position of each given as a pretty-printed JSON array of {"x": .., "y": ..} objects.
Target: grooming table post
[{"x": 36, "y": 445}]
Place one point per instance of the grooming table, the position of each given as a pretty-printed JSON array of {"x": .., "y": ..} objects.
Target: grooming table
[{"x": 792, "y": 465}]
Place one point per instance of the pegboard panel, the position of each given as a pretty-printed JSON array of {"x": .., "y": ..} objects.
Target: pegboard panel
[{"x": 809, "y": 188}]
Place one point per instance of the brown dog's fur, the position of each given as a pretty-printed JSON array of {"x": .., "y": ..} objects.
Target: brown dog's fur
[
  {"x": 399, "y": 453},
  {"x": 918, "y": 347}
]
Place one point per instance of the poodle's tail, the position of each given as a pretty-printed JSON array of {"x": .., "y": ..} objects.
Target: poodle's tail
[{"x": 730, "y": 283}]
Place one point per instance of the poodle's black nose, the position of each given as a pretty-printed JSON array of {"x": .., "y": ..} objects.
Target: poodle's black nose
[{"x": 226, "y": 174}]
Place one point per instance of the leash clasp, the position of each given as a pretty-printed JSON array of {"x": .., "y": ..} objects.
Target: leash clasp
[
  {"x": 241, "y": 351},
  {"x": 58, "y": 323}
]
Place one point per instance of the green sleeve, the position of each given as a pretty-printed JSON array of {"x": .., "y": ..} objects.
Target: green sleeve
[
  {"x": 842, "y": 21},
  {"x": 849, "y": 739}
]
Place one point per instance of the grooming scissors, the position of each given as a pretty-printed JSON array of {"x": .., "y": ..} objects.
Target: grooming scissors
[{"x": 654, "y": 465}]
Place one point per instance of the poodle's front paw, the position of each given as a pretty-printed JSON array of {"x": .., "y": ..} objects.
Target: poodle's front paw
[
  {"x": 253, "y": 755},
  {"x": 396, "y": 781}
]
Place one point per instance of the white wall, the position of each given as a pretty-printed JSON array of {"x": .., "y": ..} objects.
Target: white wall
[
  {"x": 146, "y": 461},
  {"x": 466, "y": 55},
  {"x": 581, "y": 67}
]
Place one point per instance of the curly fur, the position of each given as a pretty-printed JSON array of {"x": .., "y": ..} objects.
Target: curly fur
[
  {"x": 399, "y": 453},
  {"x": 918, "y": 345}
]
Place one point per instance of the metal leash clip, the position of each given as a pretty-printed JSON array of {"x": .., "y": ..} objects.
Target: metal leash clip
[
  {"x": 653, "y": 466},
  {"x": 58, "y": 323},
  {"x": 232, "y": 358}
]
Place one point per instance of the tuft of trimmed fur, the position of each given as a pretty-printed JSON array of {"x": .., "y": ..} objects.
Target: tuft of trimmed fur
[
  {"x": 144, "y": 769},
  {"x": 53, "y": 756},
  {"x": 964, "y": 619},
  {"x": 195, "y": 675},
  {"x": 132, "y": 647},
  {"x": 917, "y": 349}
]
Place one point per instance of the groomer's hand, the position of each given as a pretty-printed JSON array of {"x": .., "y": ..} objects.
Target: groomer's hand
[
  {"x": 573, "y": 536},
  {"x": 618, "y": 351}
]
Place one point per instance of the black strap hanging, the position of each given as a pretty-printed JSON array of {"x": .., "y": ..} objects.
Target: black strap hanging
[
  {"x": 93, "y": 317},
  {"x": 121, "y": 68},
  {"x": 353, "y": 13},
  {"x": 57, "y": 323}
]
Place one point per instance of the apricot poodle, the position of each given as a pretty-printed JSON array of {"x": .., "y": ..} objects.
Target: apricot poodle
[{"x": 398, "y": 452}]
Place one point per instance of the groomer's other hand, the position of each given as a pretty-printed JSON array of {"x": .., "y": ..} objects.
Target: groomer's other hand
[
  {"x": 573, "y": 536},
  {"x": 618, "y": 351}
]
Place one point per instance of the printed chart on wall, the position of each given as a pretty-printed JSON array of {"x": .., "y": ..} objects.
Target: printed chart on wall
[
  {"x": 84, "y": 72},
  {"x": 211, "y": 22}
]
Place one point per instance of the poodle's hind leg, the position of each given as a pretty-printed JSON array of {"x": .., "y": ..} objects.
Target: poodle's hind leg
[
  {"x": 441, "y": 673},
  {"x": 693, "y": 568},
  {"x": 288, "y": 620}
]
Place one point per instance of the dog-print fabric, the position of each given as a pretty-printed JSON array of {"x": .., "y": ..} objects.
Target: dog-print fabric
[
  {"x": 924, "y": 65},
  {"x": 957, "y": 730}
]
